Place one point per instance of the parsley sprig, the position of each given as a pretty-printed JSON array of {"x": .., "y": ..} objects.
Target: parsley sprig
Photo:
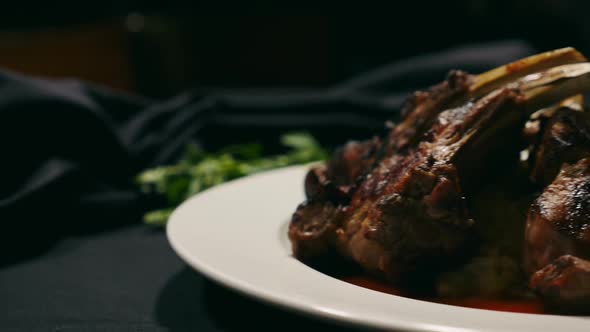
[{"x": 199, "y": 170}]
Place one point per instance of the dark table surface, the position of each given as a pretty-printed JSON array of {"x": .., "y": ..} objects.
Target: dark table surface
[{"x": 128, "y": 279}]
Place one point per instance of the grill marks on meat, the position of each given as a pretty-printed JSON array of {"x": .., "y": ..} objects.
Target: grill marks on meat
[
  {"x": 557, "y": 234},
  {"x": 397, "y": 206},
  {"x": 411, "y": 210},
  {"x": 408, "y": 213},
  {"x": 421, "y": 111},
  {"x": 558, "y": 222},
  {"x": 351, "y": 166},
  {"x": 558, "y": 225},
  {"x": 422, "y": 108}
]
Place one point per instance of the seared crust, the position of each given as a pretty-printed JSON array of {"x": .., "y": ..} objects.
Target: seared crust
[
  {"x": 411, "y": 211},
  {"x": 351, "y": 173},
  {"x": 336, "y": 182},
  {"x": 408, "y": 212},
  {"x": 397, "y": 206},
  {"x": 559, "y": 220}
]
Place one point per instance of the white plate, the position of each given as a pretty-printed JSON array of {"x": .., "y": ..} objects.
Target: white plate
[{"x": 236, "y": 234}]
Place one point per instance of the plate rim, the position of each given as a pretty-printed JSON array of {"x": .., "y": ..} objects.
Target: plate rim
[{"x": 294, "y": 305}]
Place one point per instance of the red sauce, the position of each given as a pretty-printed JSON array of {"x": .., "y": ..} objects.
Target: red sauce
[{"x": 532, "y": 306}]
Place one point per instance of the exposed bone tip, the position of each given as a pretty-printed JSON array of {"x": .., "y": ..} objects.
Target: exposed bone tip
[
  {"x": 495, "y": 78},
  {"x": 574, "y": 53}
]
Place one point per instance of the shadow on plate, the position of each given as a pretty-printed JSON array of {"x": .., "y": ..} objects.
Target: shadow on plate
[{"x": 189, "y": 302}]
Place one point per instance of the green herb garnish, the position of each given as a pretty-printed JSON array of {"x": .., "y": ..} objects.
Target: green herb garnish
[{"x": 199, "y": 170}]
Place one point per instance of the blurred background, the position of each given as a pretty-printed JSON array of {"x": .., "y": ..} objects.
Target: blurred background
[{"x": 159, "y": 48}]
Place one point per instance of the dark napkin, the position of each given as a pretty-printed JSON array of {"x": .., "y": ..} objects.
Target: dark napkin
[{"x": 70, "y": 149}]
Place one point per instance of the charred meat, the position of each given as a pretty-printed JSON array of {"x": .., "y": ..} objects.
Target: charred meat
[
  {"x": 557, "y": 239},
  {"x": 398, "y": 206}
]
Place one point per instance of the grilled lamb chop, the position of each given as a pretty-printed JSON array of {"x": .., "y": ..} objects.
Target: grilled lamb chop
[
  {"x": 329, "y": 188},
  {"x": 407, "y": 213},
  {"x": 557, "y": 235},
  {"x": 557, "y": 240},
  {"x": 356, "y": 159},
  {"x": 558, "y": 222}
]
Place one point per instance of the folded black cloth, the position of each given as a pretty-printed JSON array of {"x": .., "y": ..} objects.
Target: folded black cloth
[{"x": 70, "y": 149}]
